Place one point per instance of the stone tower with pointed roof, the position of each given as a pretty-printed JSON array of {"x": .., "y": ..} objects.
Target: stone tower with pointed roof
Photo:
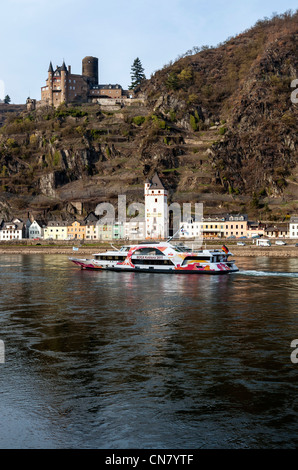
[{"x": 156, "y": 209}]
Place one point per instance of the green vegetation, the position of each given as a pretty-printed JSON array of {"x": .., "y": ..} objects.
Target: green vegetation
[
  {"x": 193, "y": 123},
  {"x": 138, "y": 120},
  {"x": 137, "y": 74},
  {"x": 63, "y": 112},
  {"x": 172, "y": 81}
]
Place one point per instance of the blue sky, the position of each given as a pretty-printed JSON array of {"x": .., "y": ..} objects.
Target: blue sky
[{"x": 35, "y": 32}]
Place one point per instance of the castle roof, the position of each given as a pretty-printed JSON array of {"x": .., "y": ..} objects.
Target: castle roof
[
  {"x": 60, "y": 69},
  {"x": 156, "y": 183},
  {"x": 51, "y": 68}
]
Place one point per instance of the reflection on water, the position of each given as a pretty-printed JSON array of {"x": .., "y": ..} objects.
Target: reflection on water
[{"x": 124, "y": 360}]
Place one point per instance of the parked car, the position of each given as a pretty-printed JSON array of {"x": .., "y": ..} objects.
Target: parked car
[
  {"x": 296, "y": 244},
  {"x": 280, "y": 242},
  {"x": 241, "y": 243}
]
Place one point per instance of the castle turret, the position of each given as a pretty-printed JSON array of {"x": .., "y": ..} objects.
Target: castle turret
[
  {"x": 50, "y": 83},
  {"x": 64, "y": 73},
  {"x": 90, "y": 69}
]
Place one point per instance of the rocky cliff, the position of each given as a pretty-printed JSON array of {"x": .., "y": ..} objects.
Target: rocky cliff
[{"x": 218, "y": 125}]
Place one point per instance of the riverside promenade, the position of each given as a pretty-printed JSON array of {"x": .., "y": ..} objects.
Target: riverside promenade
[{"x": 66, "y": 248}]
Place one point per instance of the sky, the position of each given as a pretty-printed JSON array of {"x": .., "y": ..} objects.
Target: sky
[{"x": 35, "y": 32}]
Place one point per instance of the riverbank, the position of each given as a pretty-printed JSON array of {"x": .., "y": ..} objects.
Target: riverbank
[{"x": 85, "y": 250}]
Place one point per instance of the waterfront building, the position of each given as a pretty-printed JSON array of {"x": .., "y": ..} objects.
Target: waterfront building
[
  {"x": 135, "y": 230},
  {"x": 156, "y": 209},
  {"x": 293, "y": 232},
  {"x": 191, "y": 229},
  {"x": 213, "y": 227},
  {"x": 255, "y": 229},
  {"x": 90, "y": 222},
  {"x": 91, "y": 233},
  {"x": 235, "y": 225},
  {"x": 104, "y": 229},
  {"x": 118, "y": 231},
  {"x": 36, "y": 229},
  {"x": 277, "y": 231},
  {"x": 12, "y": 231},
  {"x": 27, "y": 226},
  {"x": 76, "y": 230},
  {"x": 56, "y": 230}
]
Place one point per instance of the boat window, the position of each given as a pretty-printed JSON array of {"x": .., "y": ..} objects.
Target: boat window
[
  {"x": 198, "y": 259},
  {"x": 148, "y": 251},
  {"x": 151, "y": 262},
  {"x": 183, "y": 249},
  {"x": 114, "y": 258},
  {"x": 218, "y": 259}
]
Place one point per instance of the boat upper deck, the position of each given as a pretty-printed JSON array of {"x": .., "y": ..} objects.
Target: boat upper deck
[{"x": 149, "y": 248}]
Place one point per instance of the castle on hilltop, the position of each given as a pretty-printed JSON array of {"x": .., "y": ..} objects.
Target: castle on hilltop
[{"x": 62, "y": 86}]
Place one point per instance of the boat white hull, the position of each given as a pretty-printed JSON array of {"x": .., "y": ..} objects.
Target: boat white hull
[{"x": 212, "y": 268}]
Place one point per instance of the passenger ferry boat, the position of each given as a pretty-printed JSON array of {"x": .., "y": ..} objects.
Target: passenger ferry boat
[{"x": 162, "y": 257}]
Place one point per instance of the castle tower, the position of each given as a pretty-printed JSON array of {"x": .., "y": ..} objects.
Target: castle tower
[
  {"x": 90, "y": 69},
  {"x": 50, "y": 83},
  {"x": 64, "y": 87},
  {"x": 30, "y": 104},
  {"x": 156, "y": 209}
]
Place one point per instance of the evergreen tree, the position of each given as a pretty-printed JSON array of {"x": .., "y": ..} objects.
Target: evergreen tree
[
  {"x": 137, "y": 74},
  {"x": 7, "y": 99}
]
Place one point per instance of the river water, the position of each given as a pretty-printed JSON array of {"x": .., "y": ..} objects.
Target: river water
[{"x": 123, "y": 360}]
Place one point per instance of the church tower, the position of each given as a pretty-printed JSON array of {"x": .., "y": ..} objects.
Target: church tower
[{"x": 156, "y": 209}]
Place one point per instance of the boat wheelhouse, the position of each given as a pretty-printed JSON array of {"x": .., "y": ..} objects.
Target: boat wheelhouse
[{"x": 162, "y": 257}]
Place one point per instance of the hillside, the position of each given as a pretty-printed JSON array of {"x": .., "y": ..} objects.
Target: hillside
[{"x": 219, "y": 126}]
